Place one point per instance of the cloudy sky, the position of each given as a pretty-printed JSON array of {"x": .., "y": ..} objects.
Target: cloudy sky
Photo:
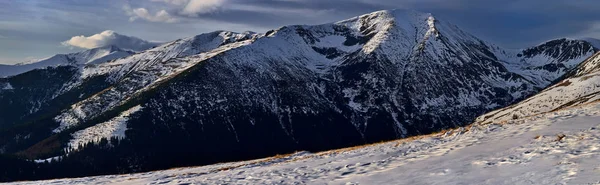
[{"x": 32, "y": 29}]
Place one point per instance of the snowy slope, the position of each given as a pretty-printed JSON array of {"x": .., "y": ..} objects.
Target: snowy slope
[
  {"x": 92, "y": 56},
  {"x": 548, "y": 61},
  {"x": 412, "y": 44},
  {"x": 554, "y": 148},
  {"x": 115, "y": 127},
  {"x": 580, "y": 86},
  {"x": 142, "y": 71},
  {"x": 380, "y": 76}
]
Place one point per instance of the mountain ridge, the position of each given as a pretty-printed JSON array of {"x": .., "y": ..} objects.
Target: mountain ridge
[
  {"x": 577, "y": 87},
  {"x": 90, "y": 56},
  {"x": 385, "y": 22},
  {"x": 379, "y": 76}
]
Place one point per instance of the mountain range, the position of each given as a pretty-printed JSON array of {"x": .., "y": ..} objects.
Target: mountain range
[
  {"x": 92, "y": 56},
  {"x": 225, "y": 96}
]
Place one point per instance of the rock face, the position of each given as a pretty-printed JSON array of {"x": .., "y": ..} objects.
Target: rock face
[{"x": 230, "y": 96}]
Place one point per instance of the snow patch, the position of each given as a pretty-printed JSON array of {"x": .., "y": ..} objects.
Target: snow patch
[
  {"x": 554, "y": 148},
  {"x": 48, "y": 160},
  {"x": 7, "y": 86},
  {"x": 351, "y": 94},
  {"x": 115, "y": 127}
]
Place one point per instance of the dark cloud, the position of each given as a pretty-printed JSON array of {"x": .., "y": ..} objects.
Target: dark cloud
[
  {"x": 511, "y": 23},
  {"x": 36, "y": 27},
  {"x": 276, "y": 13}
]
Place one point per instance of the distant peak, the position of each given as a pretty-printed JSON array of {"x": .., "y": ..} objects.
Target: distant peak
[
  {"x": 557, "y": 47},
  {"x": 109, "y": 48},
  {"x": 564, "y": 40},
  {"x": 397, "y": 14},
  {"x": 552, "y": 44},
  {"x": 595, "y": 42},
  {"x": 108, "y": 38}
]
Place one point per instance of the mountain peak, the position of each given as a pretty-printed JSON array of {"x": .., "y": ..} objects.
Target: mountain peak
[
  {"x": 556, "y": 47},
  {"x": 108, "y": 48},
  {"x": 595, "y": 42},
  {"x": 383, "y": 75},
  {"x": 401, "y": 14},
  {"x": 90, "y": 56},
  {"x": 108, "y": 38},
  {"x": 392, "y": 16}
]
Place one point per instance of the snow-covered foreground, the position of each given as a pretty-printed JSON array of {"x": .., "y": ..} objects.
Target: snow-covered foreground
[{"x": 555, "y": 148}]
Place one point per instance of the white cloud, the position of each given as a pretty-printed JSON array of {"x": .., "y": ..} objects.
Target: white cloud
[
  {"x": 187, "y": 8},
  {"x": 174, "y": 2},
  {"x": 144, "y": 14},
  {"x": 3, "y": 37},
  {"x": 195, "y": 7},
  {"x": 107, "y": 38}
]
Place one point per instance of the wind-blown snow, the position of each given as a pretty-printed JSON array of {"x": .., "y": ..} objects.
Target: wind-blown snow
[
  {"x": 562, "y": 147},
  {"x": 115, "y": 127}
]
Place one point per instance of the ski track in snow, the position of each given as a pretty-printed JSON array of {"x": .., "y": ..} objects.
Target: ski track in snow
[{"x": 530, "y": 152}]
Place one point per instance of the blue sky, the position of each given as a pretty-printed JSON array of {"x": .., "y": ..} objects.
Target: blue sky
[{"x": 31, "y": 29}]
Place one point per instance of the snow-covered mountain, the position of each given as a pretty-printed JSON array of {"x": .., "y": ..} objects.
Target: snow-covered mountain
[
  {"x": 91, "y": 56},
  {"x": 554, "y": 148},
  {"x": 580, "y": 86},
  {"x": 548, "y": 61},
  {"x": 595, "y": 42},
  {"x": 399, "y": 66},
  {"x": 379, "y": 76}
]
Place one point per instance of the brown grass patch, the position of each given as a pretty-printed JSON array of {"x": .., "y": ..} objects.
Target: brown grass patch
[
  {"x": 46, "y": 146},
  {"x": 564, "y": 83}
]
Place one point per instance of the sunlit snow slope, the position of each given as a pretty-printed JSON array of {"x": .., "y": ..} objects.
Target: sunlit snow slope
[
  {"x": 562, "y": 147},
  {"x": 582, "y": 85},
  {"x": 379, "y": 76}
]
